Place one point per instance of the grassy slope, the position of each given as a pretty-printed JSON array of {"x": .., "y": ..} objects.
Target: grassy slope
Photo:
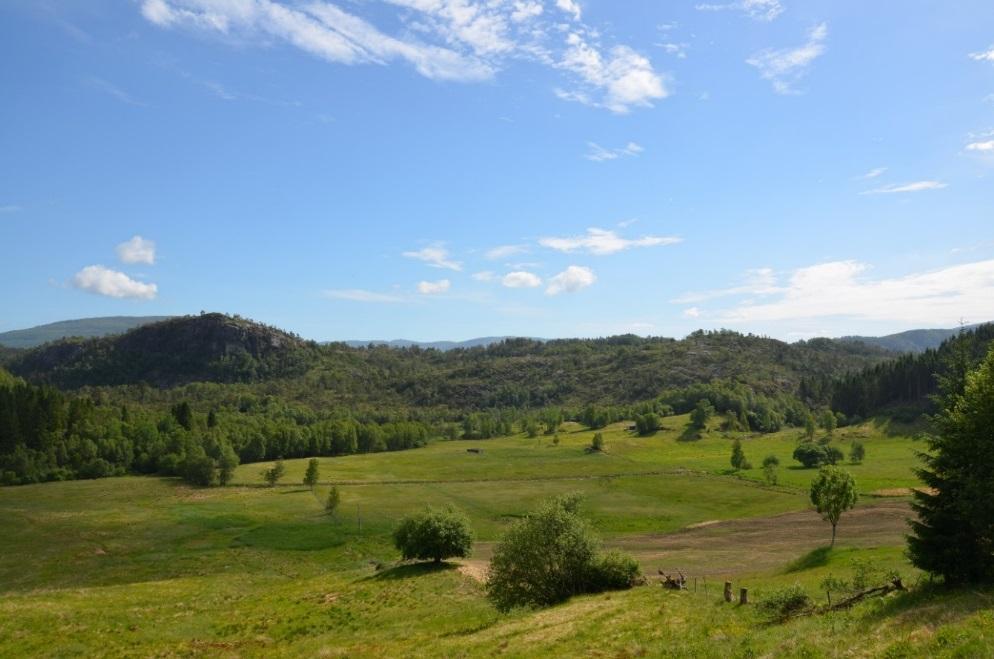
[{"x": 148, "y": 566}]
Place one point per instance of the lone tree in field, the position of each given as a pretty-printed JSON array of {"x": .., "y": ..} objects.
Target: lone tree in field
[
  {"x": 828, "y": 421},
  {"x": 954, "y": 532},
  {"x": 311, "y": 475},
  {"x": 857, "y": 453},
  {"x": 739, "y": 460},
  {"x": 597, "y": 443},
  {"x": 274, "y": 473},
  {"x": 833, "y": 492},
  {"x": 334, "y": 498},
  {"x": 701, "y": 413},
  {"x": 770, "y": 464},
  {"x": 550, "y": 556},
  {"x": 434, "y": 535}
]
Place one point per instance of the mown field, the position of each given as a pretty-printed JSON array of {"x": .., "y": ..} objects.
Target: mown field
[{"x": 151, "y": 567}]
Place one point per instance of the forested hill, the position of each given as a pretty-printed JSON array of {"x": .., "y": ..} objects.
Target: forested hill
[
  {"x": 918, "y": 340},
  {"x": 910, "y": 380},
  {"x": 210, "y": 348},
  {"x": 514, "y": 373},
  {"x": 83, "y": 327}
]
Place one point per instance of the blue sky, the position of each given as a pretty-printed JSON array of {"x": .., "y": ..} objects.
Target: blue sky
[{"x": 443, "y": 169}]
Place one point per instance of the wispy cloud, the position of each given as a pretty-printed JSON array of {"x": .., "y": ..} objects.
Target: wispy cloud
[
  {"x": 521, "y": 279},
  {"x": 981, "y": 147},
  {"x": 434, "y": 287},
  {"x": 916, "y": 186},
  {"x": 760, "y": 10},
  {"x": 504, "y": 251},
  {"x": 873, "y": 173},
  {"x": 604, "y": 241},
  {"x": 113, "y": 91},
  {"x": 678, "y": 50},
  {"x": 99, "y": 280},
  {"x": 844, "y": 289},
  {"x": 137, "y": 250},
  {"x": 597, "y": 153},
  {"x": 485, "y": 276},
  {"x": 984, "y": 56},
  {"x": 761, "y": 281},
  {"x": 436, "y": 257},
  {"x": 10, "y": 208},
  {"x": 572, "y": 279},
  {"x": 360, "y": 295},
  {"x": 785, "y": 67},
  {"x": 455, "y": 40}
]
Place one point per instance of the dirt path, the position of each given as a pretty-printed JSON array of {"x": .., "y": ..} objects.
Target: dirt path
[{"x": 743, "y": 546}]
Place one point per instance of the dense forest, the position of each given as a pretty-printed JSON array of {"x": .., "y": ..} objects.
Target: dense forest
[{"x": 192, "y": 396}]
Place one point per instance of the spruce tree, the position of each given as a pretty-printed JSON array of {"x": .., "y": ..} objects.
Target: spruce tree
[{"x": 954, "y": 533}]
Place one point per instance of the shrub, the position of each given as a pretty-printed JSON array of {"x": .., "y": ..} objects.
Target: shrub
[
  {"x": 550, "y": 556},
  {"x": 857, "y": 453},
  {"x": 597, "y": 443},
  {"x": 274, "y": 473},
  {"x": 810, "y": 454},
  {"x": 334, "y": 498},
  {"x": 96, "y": 468},
  {"x": 785, "y": 602},
  {"x": 199, "y": 469},
  {"x": 311, "y": 476},
  {"x": 739, "y": 460},
  {"x": 434, "y": 535},
  {"x": 771, "y": 460}
]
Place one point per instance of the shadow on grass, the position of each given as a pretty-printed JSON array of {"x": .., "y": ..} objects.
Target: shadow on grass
[
  {"x": 814, "y": 558},
  {"x": 412, "y": 571},
  {"x": 689, "y": 434}
]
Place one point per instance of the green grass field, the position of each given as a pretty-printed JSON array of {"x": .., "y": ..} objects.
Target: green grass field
[{"x": 151, "y": 567}]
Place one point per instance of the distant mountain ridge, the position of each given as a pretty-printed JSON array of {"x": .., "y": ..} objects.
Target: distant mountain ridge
[
  {"x": 82, "y": 327},
  {"x": 914, "y": 341}
]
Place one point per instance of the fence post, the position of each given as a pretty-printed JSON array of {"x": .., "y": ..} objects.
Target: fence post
[
  {"x": 728, "y": 591},
  {"x": 743, "y": 595}
]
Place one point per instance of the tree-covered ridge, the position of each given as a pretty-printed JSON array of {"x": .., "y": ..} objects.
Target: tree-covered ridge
[
  {"x": 909, "y": 380},
  {"x": 516, "y": 373}
]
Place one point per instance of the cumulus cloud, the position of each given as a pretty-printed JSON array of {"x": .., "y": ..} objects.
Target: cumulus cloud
[
  {"x": 843, "y": 289},
  {"x": 604, "y": 241},
  {"x": 436, "y": 257},
  {"x": 99, "y": 280},
  {"x": 981, "y": 147},
  {"x": 784, "y": 67},
  {"x": 434, "y": 287},
  {"x": 137, "y": 250},
  {"x": 360, "y": 295},
  {"x": 521, "y": 279},
  {"x": 571, "y": 280},
  {"x": 597, "y": 153},
  {"x": 984, "y": 56},
  {"x": 760, "y": 10},
  {"x": 617, "y": 79},
  {"x": 457, "y": 40},
  {"x": 917, "y": 186}
]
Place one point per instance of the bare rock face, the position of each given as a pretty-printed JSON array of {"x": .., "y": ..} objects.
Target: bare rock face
[{"x": 205, "y": 348}]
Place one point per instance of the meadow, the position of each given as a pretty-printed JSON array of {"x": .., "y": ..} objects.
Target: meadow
[{"x": 149, "y": 566}]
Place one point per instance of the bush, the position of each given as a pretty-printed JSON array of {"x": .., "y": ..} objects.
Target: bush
[
  {"x": 95, "y": 468},
  {"x": 434, "y": 535},
  {"x": 810, "y": 455},
  {"x": 857, "y": 453},
  {"x": 274, "y": 473},
  {"x": 597, "y": 443},
  {"x": 785, "y": 602},
  {"x": 614, "y": 571},
  {"x": 199, "y": 469},
  {"x": 550, "y": 556}
]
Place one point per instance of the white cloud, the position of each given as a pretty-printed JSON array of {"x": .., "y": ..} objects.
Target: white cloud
[
  {"x": 981, "y": 147},
  {"x": 917, "y": 186},
  {"x": 984, "y": 56},
  {"x": 436, "y": 257},
  {"x": 603, "y": 241},
  {"x": 458, "y": 40},
  {"x": 621, "y": 78},
  {"x": 597, "y": 153},
  {"x": 692, "y": 312},
  {"x": 571, "y": 7},
  {"x": 114, "y": 91},
  {"x": 504, "y": 251},
  {"x": 679, "y": 50},
  {"x": 760, "y": 10},
  {"x": 137, "y": 250},
  {"x": 760, "y": 281},
  {"x": 571, "y": 280},
  {"x": 434, "y": 287},
  {"x": 485, "y": 275},
  {"x": 360, "y": 295},
  {"x": 784, "y": 67},
  {"x": 103, "y": 281},
  {"x": 874, "y": 173},
  {"x": 521, "y": 279},
  {"x": 842, "y": 289}
]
